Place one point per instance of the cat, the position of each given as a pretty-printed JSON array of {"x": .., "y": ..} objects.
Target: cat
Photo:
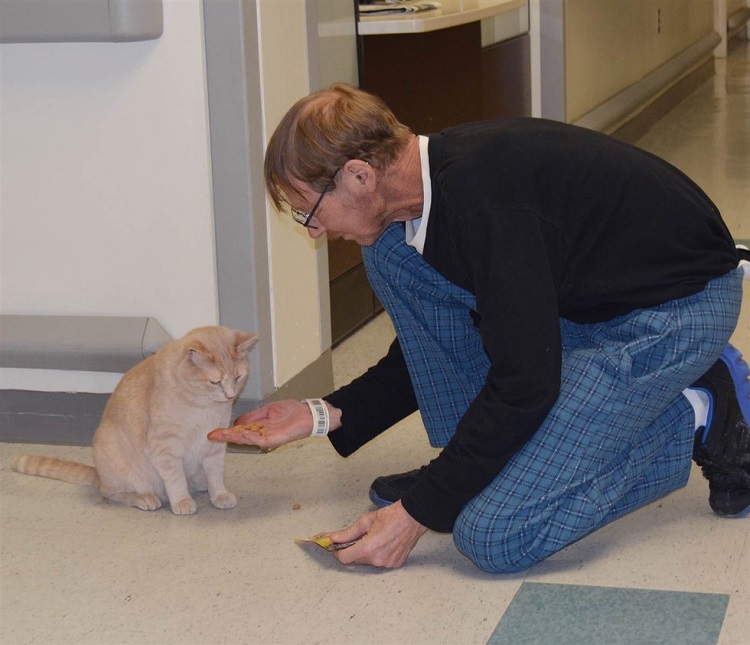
[{"x": 151, "y": 446}]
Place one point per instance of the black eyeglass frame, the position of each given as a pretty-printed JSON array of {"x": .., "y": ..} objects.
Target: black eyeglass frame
[{"x": 305, "y": 218}]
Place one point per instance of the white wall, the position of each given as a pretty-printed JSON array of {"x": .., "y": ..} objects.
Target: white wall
[
  {"x": 105, "y": 202},
  {"x": 609, "y": 45},
  {"x": 296, "y": 274},
  {"x": 105, "y": 181},
  {"x": 105, "y": 176},
  {"x": 724, "y": 9}
]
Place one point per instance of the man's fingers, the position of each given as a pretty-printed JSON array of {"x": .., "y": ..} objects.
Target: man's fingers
[
  {"x": 220, "y": 434},
  {"x": 252, "y": 416},
  {"x": 235, "y": 434}
]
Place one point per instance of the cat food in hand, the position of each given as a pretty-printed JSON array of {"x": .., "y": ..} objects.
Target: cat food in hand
[{"x": 252, "y": 427}]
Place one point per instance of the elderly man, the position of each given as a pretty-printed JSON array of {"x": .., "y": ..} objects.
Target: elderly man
[{"x": 555, "y": 293}]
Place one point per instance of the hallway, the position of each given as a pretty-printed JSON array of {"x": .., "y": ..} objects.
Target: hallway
[{"x": 75, "y": 569}]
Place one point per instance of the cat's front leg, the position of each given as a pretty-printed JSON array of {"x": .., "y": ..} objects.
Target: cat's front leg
[
  {"x": 224, "y": 500},
  {"x": 213, "y": 467},
  {"x": 172, "y": 472},
  {"x": 185, "y": 506}
]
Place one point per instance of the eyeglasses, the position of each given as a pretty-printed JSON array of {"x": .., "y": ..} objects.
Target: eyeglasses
[{"x": 304, "y": 218}]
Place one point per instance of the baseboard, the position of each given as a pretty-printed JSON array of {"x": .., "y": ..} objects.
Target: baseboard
[
  {"x": 58, "y": 418},
  {"x": 71, "y": 418},
  {"x": 639, "y": 124},
  {"x": 79, "y": 343},
  {"x": 615, "y": 113}
]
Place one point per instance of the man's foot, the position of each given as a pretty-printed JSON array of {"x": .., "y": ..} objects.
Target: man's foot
[
  {"x": 722, "y": 447},
  {"x": 390, "y": 488}
]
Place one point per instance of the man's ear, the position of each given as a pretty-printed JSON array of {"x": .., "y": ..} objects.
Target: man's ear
[{"x": 360, "y": 172}]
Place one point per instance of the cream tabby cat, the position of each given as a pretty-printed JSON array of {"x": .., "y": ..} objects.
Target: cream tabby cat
[{"x": 151, "y": 444}]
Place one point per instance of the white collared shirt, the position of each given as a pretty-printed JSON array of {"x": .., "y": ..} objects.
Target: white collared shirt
[{"x": 416, "y": 229}]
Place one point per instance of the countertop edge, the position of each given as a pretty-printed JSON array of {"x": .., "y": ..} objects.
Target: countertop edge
[{"x": 421, "y": 23}]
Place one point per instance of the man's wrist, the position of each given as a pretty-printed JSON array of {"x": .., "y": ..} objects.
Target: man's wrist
[{"x": 320, "y": 415}]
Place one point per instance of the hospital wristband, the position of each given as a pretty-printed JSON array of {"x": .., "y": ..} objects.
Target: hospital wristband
[{"x": 321, "y": 421}]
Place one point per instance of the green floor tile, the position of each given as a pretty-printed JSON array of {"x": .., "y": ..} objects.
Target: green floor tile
[{"x": 581, "y": 615}]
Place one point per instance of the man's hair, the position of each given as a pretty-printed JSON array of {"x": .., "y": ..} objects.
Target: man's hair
[{"x": 324, "y": 130}]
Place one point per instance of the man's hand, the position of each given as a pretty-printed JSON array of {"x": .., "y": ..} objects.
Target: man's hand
[
  {"x": 387, "y": 535},
  {"x": 273, "y": 425}
]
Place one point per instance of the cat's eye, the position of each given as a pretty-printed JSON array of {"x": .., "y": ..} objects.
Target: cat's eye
[
  {"x": 215, "y": 382},
  {"x": 237, "y": 378}
]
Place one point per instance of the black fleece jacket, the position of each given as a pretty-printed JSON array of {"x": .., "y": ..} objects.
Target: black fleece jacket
[{"x": 539, "y": 220}]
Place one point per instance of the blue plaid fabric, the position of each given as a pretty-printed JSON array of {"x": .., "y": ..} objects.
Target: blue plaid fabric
[
  {"x": 619, "y": 436},
  {"x": 432, "y": 317}
]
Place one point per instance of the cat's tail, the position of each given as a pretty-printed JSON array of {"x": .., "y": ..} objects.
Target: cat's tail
[{"x": 67, "y": 471}]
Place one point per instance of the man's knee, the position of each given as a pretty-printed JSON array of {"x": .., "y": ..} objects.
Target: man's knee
[{"x": 497, "y": 549}]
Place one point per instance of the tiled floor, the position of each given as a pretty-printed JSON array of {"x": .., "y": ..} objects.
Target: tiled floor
[{"x": 75, "y": 569}]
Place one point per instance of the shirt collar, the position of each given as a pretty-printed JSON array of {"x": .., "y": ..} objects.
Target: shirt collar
[{"x": 416, "y": 229}]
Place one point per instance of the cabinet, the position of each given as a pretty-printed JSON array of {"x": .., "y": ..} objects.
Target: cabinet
[
  {"x": 430, "y": 80},
  {"x": 434, "y": 79},
  {"x": 353, "y": 302}
]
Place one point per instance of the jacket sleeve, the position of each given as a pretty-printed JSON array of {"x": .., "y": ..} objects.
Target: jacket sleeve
[{"x": 373, "y": 402}]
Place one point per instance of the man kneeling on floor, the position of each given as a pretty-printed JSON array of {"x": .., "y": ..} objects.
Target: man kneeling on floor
[{"x": 562, "y": 303}]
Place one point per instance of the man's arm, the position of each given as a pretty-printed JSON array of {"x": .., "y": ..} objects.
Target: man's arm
[{"x": 373, "y": 402}]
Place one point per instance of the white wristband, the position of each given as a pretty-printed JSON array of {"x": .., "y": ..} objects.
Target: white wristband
[{"x": 321, "y": 422}]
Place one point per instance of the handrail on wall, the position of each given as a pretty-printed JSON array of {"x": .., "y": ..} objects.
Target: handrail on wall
[{"x": 53, "y": 21}]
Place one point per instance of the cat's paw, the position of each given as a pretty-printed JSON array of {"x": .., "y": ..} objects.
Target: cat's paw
[
  {"x": 184, "y": 506},
  {"x": 147, "y": 502},
  {"x": 224, "y": 500}
]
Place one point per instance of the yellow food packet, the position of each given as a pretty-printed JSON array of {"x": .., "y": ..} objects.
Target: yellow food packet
[{"x": 325, "y": 542}]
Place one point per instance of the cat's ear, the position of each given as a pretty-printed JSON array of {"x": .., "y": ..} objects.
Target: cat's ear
[
  {"x": 198, "y": 354},
  {"x": 245, "y": 341}
]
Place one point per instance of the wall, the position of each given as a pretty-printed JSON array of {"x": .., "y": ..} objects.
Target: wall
[
  {"x": 107, "y": 195},
  {"x": 106, "y": 198},
  {"x": 296, "y": 272},
  {"x": 726, "y": 11},
  {"x": 105, "y": 170},
  {"x": 611, "y": 45}
]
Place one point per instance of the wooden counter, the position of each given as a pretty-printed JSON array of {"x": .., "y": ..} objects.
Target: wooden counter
[
  {"x": 452, "y": 13},
  {"x": 467, "y": 61}
]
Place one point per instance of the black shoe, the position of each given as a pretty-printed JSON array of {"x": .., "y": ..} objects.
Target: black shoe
[
  {"x": 390, "y": 488},
  {"x": 722, "y": 448}
]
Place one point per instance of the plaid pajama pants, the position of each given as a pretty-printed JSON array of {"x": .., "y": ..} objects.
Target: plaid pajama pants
[{"x": 619, "y": 436}]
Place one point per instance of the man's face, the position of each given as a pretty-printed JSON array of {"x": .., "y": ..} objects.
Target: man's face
[{"x": 347, "y": 210}]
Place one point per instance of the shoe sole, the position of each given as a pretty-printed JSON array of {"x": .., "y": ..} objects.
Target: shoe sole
[
  {"x": 379, "y": 501},
  {"x": 739, "y": 514},
  {"x": 740, "y": 372}
]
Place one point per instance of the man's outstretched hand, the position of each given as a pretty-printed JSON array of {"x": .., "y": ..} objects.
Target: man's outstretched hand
[{"x": 273, "y": 425}]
